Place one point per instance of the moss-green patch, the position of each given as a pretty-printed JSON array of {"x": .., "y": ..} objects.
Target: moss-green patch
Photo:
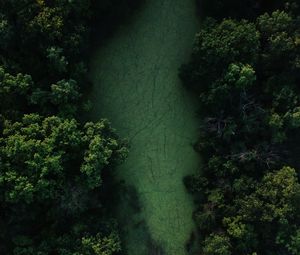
[{"x": 136, "y": 87}]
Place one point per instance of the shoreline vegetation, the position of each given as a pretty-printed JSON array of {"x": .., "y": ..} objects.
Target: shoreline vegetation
[
  {"x": 54, "y": 167},
  {"x": 245, "y": 69}
]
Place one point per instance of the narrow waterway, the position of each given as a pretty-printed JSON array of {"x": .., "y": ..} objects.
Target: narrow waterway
[{"x": 136, "y": 87}]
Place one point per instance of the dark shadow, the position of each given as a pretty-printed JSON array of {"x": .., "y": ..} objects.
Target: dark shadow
[
  {"x": 191, "y": 245},
  {"x": 127, "y": 211},
  {"x": 237, "y": 9},
  {"x": 108, "y": 21},
  {"x": 130, "y": 197},
  {"x": 292, "y": 156},
  {"x": 155, "y": 248}
]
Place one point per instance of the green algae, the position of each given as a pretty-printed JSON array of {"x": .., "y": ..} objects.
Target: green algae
[{"x": 136, "y": 86}]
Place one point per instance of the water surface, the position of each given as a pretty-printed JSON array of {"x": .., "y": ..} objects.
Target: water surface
[{"x": 136, "y": 86}]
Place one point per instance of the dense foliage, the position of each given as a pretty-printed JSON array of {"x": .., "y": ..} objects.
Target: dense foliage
[
  {"x": 50, "y": 176},
  {"x": 247, "y": 76},
  {"x": 52, "y": 167}
]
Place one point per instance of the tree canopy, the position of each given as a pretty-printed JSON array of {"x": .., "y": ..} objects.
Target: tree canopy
[
  {"x": 54, "y": 167},
  {"x": 245, "y": 70}
]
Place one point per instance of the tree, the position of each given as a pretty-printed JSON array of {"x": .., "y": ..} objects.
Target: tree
[
  {"x": 294, "y": 245},
  {"x": 277, "y": 22},
  {"x": 35, "y": 164},
  {"x": 14, "y": 92},
  {"x": 217, "y": 46},
  {"x": 278, "y": 41},
  {"x": 242, "y": 234},
  {"x": 101, "y": 246},
  {"x": 274, "y": 197},
  {"x": 216, "y": 244},
  {"x": 6, "y": 32}
]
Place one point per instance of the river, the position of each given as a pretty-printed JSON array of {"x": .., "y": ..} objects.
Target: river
[{"x": 136, "y": 86}]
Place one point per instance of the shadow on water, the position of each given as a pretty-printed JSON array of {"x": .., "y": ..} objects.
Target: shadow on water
[
  {"x": 130, "y": 199},
  {"x": 129, "y": 196},
  {"x": 130, "y": 218},
  {"x": 155, "y": 248}
]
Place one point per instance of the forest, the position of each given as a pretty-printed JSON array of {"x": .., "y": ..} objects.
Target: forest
[
  {"x": 245, "y": 70},
  {"x": 52, "y": 187},
  {"x": 56, "y": 168}
]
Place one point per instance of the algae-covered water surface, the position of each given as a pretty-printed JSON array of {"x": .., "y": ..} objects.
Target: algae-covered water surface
[{"x": 136, "y": 86}]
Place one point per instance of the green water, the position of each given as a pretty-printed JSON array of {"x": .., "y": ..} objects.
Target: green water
[{"x": 136, "y": 87}]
